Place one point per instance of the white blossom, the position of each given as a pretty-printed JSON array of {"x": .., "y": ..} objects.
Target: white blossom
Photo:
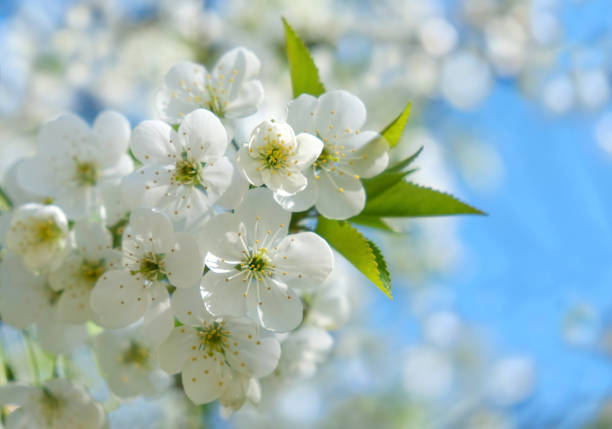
[
  {"x": 39, "y": 234},
  {"x": 27, "y": 300},
  {"x": 216, "y": 356},
  {"x": 127, "y": 359},
  {"x": 255, "y": 266},
  {"x": 184, "y": 172},
  {"x": 229, "y": 91},
  {"x": 154, "y": 256},
  {"x": 275, "y": 157},
  {"x": 58, "y": 404},
  {"x": 74, "y": 159},
  {"x": 303, "y": 351},
  {"x": 91, "y": 257},
  {"x": 334, "y": 185}
]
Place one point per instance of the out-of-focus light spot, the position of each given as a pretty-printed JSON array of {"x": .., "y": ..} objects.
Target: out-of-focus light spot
[
  {"x": 581, "y": 326},
  {"x": 603, "y": 132},
  {"x": 506, "y": 44},
  {"x": 79, "y": 17},
  {"x": 465, "y": 80},
  {"x": 427, "y": 373},
  {"x": 437, "y": 36},
  {"x": 301, "y": 403},
  {"x": 421, "y": 74},
  {"x": 593, "y": 88},
  {"x": 511, "y": 380},
  {"x": 545, "y": 28},
  {"x": 443, "y": 329},
  {"x": 559, "y": 94}
]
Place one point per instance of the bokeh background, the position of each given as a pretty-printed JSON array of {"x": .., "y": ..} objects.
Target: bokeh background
[{"x": 497, "y": 322}]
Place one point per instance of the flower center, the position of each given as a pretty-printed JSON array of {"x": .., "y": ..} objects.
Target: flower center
[
  {"x": 213, "y": 337},
  {"x": 214, "y": 103},
  {"x": 274, "y": 155},
  {"x": 87, "y": 173},
  {"x": 51, "y": 406},
  {"x": 187, "y": 172},
  {"x": 92, "y": 270},
  {"x": 136, "y": 355},
  {"x": 46, "y": 230},
  {"x": 326, "y": 158},
  {"x": 152, "y": 267}
]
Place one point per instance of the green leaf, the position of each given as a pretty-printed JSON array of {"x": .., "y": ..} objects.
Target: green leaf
[
  {"x": 372, "y": 222},
  {"x": 406, "y": 199},
  {"x": 405, "y": 163},
  {"x": 304, "y": 74},
  {"x": 394, "y": 130},
  {"x": 359, "y": 251},
  {"x": 5, "y": 201},
  {"x": 379, "y": 184}
]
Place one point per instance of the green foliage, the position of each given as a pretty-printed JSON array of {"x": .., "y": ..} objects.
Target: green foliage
[
  {"x": 358, "y": 250},
  {"x": 5, "y": 201},
  {"x": 394, "y": 130},
  {"x": 372, "y": 222},
  {"x": 406, "y": 199},
  {"x": 304, "y": 74}
]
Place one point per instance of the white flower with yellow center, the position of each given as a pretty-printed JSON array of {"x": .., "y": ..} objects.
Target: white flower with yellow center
[
  {"x": 216, "y": 356},
  {"x": 255, "y": 266},
  {"x": 39, "y": 234},
  {"x": 27, "y": 300},
  {"x": 230, "y": 91},
  {"x": 154, "y": 257},
  {"x": 74, "y": 159},
  {"x": 128, "y": 361},
  {"x": 91, "y": 257},
  {"x": 334, "y": 185},
  {"x": 57, "y": 404},
  {"x": 184, "y": 172},
  {"x": 275, "y": 157}
]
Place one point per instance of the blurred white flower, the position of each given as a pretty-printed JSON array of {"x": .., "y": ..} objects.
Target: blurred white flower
[
  {"x": 73, "y": 160},
  {"x": 230, "y": 91},
  {"x": 128, "y": 362},
  {"x": 39, "y": 234},
  {"x": 303, "y": 351},
  {"x": 465, "y": 80},
  {"x": 57, "y": 404},
  {"x": 348, "y": 154},
  {"x": 91, "y": 257},
  {"x": 511, "y": 380},
  {"x": 275, "y": 156},
  {"x": 255, "y": 266},
  {"x": 428, "y": 373}
]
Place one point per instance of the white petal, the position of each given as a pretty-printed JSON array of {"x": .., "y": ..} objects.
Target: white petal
[
  {"x": 73, "y": 305},
  {"x": 284, "y": 183},
  {"x": 59, "y": 134},
  {"x": 203, "y": 135},
  {"x": 249, "y": 167},
  {"x": 259, "y": 213},
  {"x": 259, "y": 355},
  {"x": 219, "y": 237},
  {"x": 372, "y": 159},
  {"x": 78, "y": 202},
  {"x": 58, "y": 337},
  {"x": 188, "y": 306},
  {"x": 15, "y": 394},
  {"x": 36, "y": 175},
  {"x": 224, "y": 296},
  {"x": 301, "y": 113},
  {"x": 204, "y": 380},
  {"x": 151, "y": 142},
  {"x": 216, "y": 178},
  {"x": 306, "y": 258},
  {"x": 92, "y": 238},
  {"x": 158, "y": 318},
  {"x": 279, "y": 308},
  {"x": 181, "y": 345},
  {"x": 338, "y": 111},
  {"x": 147, "y": 186},
  {"x": 153, "y": 226},
  {"x": 235, "y": 193},
  {"x": 340, "y": 196},
  {"x": 247, "y": 100},
  {"x": 119, "y": 299},
  {"x": 183, "y": 263},
  {"x": 112, "y": 130},
  {"x": 308, "y": 150},
  {"x": 243, "y": 61},
  {"x": 302, "y": 200}
]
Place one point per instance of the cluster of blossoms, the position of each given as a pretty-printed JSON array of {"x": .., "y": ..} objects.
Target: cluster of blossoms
[{"x": 180, "y": 241}]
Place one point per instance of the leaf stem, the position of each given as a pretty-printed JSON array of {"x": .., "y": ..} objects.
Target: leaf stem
[{"x": 5, "y": 200}]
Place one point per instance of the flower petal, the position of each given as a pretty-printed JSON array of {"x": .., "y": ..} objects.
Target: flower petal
[
  {"x": 249, "y": 167},
  {"x": 372, "y": 158},
  {"x": 112, "y": 130},
  {"x": 278, "y": 307},
  {"x": 154, "y": 142},
  {"x": 181, "y": 345},
  {"x": 260, "y": 214},
  {"x": 306, "y": 258},
  {"x": 158, "y": 318},
  {"x": 339, "y": 111},
  {"x": 205, "y": 379},
  {"x": 308, "y": 150},
  {"x": 253, "y": 355},
  {"x": 302, "y": 200},
  {"x": 203, "y": 135},
  {"x": 118, "y": 299},
  {"x": 219, "y": 238},
  {"x": 183, "y": 263},
  {"x": 224, "y": 296},
  {"x": 147, "y": 186},
  {"x": 340, "y": 196},
  {"x": 301, "y": 113},
  {"x": 73, "y": 305},
  {"x": 188, "y": 306},
  {"x": 216, "y": 178}
]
